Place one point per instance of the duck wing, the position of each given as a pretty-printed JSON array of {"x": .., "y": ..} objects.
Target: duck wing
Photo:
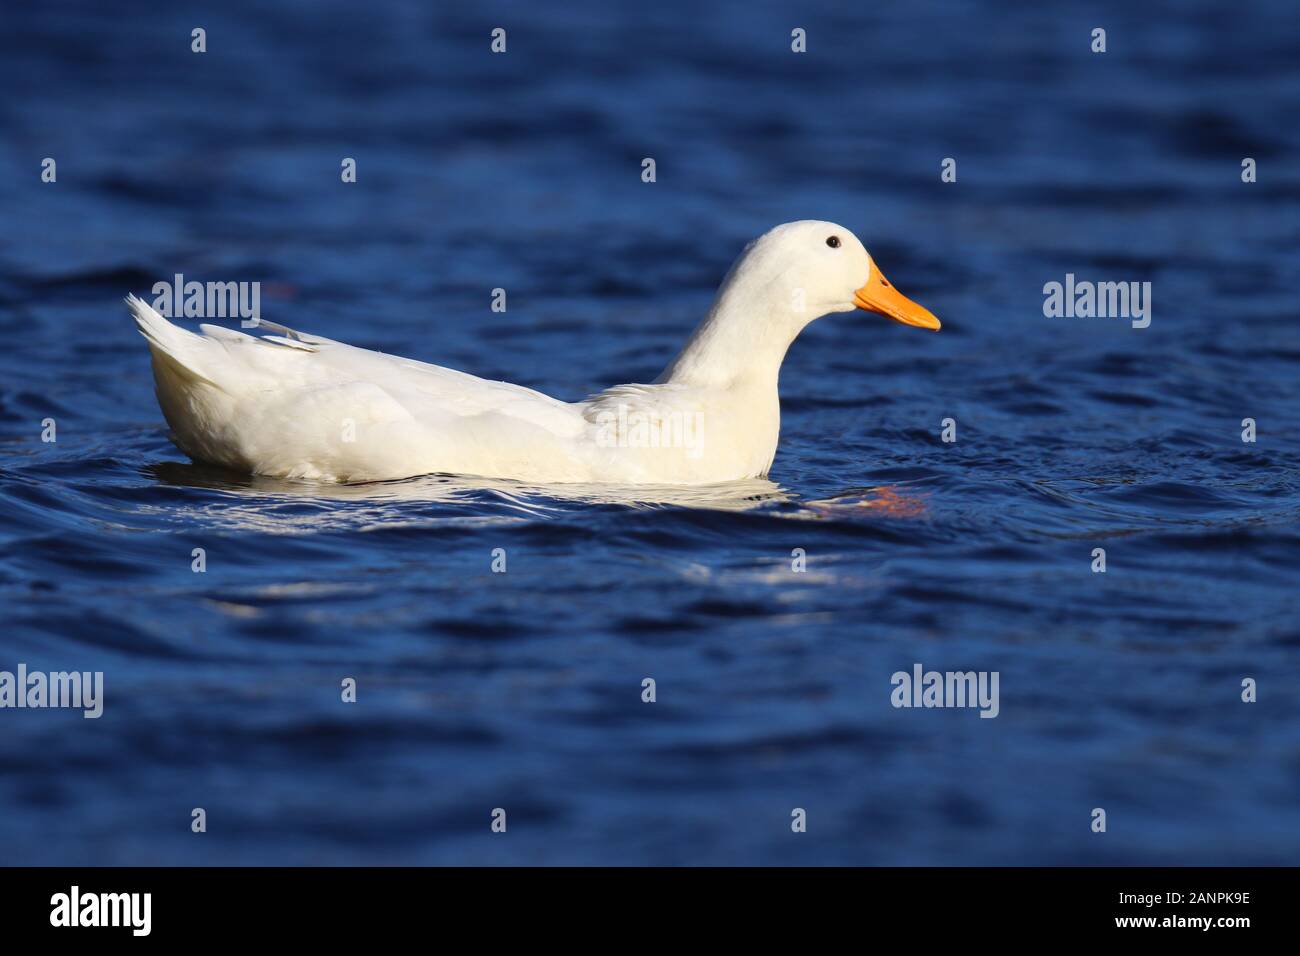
[{"x": 290, "y": 403}]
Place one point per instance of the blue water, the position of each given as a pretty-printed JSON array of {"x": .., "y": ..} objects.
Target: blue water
[{"x": 522, "y": 690}]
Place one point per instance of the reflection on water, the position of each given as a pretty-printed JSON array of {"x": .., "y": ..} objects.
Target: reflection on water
[
  {"x": 529, "y": 500},
  {"x": 892, "y": 501},
  {"x": 726, "y": 496}
]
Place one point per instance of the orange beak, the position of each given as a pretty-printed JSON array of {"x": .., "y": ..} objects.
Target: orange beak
[{"x": 879, "y": 296}]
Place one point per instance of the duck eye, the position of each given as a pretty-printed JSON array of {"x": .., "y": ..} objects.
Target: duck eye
[{"x": 833, "y": 242}]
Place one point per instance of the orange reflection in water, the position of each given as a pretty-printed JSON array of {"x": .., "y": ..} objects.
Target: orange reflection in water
[{"x": 888, "y": 500}]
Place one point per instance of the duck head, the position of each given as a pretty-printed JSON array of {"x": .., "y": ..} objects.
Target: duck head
[
  {"x": 822, "y": 267},
  {"x": 786, "y": 278}
]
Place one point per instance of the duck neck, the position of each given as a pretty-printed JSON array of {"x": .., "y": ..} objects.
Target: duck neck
[{"x": 740, "y": 345}]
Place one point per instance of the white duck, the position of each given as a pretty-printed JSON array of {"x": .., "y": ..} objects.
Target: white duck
[{"x": 292, "y": 405}]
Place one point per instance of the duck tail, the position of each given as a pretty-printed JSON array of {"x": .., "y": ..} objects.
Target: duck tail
[{"x": 180, "y": 351}]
